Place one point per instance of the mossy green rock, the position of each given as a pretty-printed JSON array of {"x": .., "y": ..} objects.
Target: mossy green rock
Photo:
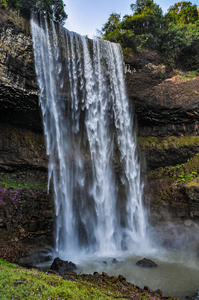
[{"x": 167, "y": 151}]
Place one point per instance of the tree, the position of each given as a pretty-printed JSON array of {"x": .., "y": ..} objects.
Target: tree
[
  {"x": 180, "y": 46},
  {"x": 175, "y": 35},
  {"x": 54, "y": 8},
  {"x": 146, "y": 22},
  {"x": 147, "y": 17},
  {"x": 111, "y": 25},
  {"x": 113, "y": 32},
  {"x": 183, "y": 13},
  {"x": 180, "y": 36}
]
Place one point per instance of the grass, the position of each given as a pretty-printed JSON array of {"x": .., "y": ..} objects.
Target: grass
[
  {"x": 8, "y": 182},
  {"x": 189, "y": 75},
  {"x": 19, "y": 283}
]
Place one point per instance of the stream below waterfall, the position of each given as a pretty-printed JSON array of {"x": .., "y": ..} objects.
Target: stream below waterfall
[{"x": 177, "y": 274}]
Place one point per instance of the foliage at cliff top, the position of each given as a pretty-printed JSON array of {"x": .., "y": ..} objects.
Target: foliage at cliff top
[
  {"x": 53, "y": 8},
  {"x": 175, "y": 35}
]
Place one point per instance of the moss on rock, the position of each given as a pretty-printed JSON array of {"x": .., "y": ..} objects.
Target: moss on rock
[
  {"x": 176, "y": 187},
  {"x": 162, "y": 143}
]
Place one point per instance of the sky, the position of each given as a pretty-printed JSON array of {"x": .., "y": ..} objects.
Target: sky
[{"x": 86, "y": 16}]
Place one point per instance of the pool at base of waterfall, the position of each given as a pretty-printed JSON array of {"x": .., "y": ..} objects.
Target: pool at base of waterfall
[{"x": 177, "y": 273}]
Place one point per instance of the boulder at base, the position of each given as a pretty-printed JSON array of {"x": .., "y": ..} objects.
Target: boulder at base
[
  {"x": 62, "y": 267},
  {"x": 146, "y": 263}
]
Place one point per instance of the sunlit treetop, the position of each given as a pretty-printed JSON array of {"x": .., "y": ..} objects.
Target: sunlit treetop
[{"x": 183, "y": 12}]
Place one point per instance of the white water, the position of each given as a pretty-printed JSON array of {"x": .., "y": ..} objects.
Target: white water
[{"x": 89, "y": 134}]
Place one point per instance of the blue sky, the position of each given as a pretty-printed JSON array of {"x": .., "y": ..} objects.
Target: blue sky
[{"x": 85, "y": 16}]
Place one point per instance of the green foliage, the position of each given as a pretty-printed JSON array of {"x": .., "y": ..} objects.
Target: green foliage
[
  {"x": 6, "y": 263},
  {"x": 180, "y": 45},
  {"x": 162, "y": 143},
  {"x": 175, "y": 35},
  {"x": 3, "y": 3},
  {"x": 182, "y": 178},
  {"x": 53, "y": 8},
  {"x": 111, "y": 25},
  {"x": 8, "y": 182},
  {"x": 182, "y": 12},
  {"x": 19, "y": 283},
  {"x": 137, "y": 31}
]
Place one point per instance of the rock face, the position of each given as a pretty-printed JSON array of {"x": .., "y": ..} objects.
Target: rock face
[
  {"x": 167, "y": 112},
  {"x": 26, "y": 211},
  {"x": 18, "y": 86},
  {"x": 167, "y": 116},
  {"x": 61, "y": 266},
  {"x": 164, "y": 106}
]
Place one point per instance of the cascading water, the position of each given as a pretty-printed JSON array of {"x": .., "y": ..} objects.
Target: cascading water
[{"x": 89, "y": 140}]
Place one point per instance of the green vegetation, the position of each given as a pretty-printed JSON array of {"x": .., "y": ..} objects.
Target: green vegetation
[
  {"x": 20, "y": 283},
  {"x": 167, "y": 142},
  {"x": 174, "y": 35},
  {"x": 53, "y": 8},
  {"x": 12, "y": 190},
  {"x": 182, "y": 178},
  {"x": 8, "y": 182},
  {"x": 173, "y": 183},
  {"x": 181, "y": 173}
]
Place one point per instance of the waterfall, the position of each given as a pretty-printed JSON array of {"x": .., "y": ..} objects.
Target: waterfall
[{"x": 93, "y": 164}]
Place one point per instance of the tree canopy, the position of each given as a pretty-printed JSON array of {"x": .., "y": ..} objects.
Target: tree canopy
[
  {"x": 54, "y": 8},
  {"x": 175, "y": 35},
  {"x": 182, "y": 12}
]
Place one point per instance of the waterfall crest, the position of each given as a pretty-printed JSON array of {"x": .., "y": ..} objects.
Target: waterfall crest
[{"x": 93, "y": 163}]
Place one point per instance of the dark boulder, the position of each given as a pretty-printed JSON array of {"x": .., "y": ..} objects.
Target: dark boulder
[
  {"x": 146, "y": 263},
  {"x": 61, "y": 266}
]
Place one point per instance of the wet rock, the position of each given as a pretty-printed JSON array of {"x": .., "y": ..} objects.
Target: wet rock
[
  {"x": 121, "y": 278},
  {"x": 188, "y": 223},
  {"x": 113, "y": 278},
  {"x": 114, "y": 261},
  {"x": 26, "y": 262},
  {"x": 96, "y": 274},
  {"x": 146, "y": 263},
  {"x": 159, "y": 292},
  {"x": 105, "y": 274},
  {"x": 34, "y": 259},
  {"x": 146, "y": 288},
  {"x": 61, "y": 266}
]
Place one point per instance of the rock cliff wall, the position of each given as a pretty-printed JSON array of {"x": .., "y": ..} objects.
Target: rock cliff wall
[
  {"x": 167, "y": 116},
  {"x": 26, "y": 211},
  {"x": 167, "y": 111}
]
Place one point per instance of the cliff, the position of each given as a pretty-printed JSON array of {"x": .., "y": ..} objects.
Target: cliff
[
  {"x": 26, "y": 211},
  {"x": 166, "y": 107},
  {"x": 166, "y": 111}
]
